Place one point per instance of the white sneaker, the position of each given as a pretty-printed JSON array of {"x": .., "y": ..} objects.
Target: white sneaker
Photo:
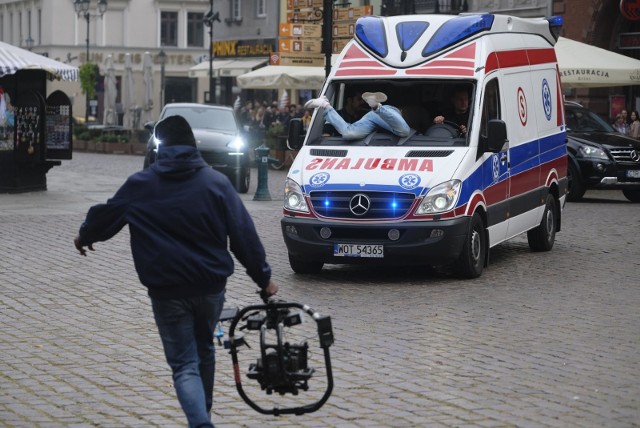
[
  {"x": 321, "y": 102},
  {"x": 374, "y": 98}
]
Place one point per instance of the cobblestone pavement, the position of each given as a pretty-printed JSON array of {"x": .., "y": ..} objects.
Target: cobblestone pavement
[{"x": 541, "y": 339}]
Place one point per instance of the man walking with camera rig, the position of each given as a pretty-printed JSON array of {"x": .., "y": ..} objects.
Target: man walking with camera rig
[{"x": 181, "y": 215}]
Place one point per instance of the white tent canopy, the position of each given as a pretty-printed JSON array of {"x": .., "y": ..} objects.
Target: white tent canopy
[
  {"x": 13, "y": 59},
  {"x": 585, "y": 66},
  {"x": 283, "y": 77}
]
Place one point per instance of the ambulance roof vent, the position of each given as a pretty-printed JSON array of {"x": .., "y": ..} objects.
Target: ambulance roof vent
[
  {"x": 370, "y": 31},
  {"x": 456, "y": 30}
]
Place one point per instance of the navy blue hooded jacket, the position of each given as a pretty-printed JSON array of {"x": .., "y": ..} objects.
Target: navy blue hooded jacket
[{"x": 181, "y": 215}]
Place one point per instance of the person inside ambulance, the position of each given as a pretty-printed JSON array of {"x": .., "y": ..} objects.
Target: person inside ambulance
[
  {"x": 458, "y": 113},
  {"x": 382, "y": 116}
]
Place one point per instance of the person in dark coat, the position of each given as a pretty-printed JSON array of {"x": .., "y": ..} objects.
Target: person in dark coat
[{"x": 182, "y": 217}]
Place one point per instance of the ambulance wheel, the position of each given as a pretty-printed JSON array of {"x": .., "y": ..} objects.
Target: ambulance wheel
[
  {"x": 471, "y": 261},
  {"x": 304, "y": 266},
  {"x": 542, "y": 237}
]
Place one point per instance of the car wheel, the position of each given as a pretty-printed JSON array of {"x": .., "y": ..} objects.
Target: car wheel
[
  {"x": 544, "y": 235},
  {"x": 576, "y": 187},
  {"x": 243, "y": 180},
  {"x": 304, "y": 266},
  {"x": 471, "y": 261},
  {"x": 632, "y": 195}
]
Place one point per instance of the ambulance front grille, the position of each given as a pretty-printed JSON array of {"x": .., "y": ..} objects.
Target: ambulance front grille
[
  {"x": 428, "y": 153},
  {"x": 334, "y": 153},
  {"x": 381, "y": 205}
]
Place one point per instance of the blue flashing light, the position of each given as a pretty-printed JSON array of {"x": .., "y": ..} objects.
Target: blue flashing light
[
  {"x": 555, "y": 21},
  {"x": 326, "y": 203},
  {"x": 394, "y": 205},
  {"x": 370, "y": 31},
  {"x": 409, "y": 32},
  {"x": 456, "y": 30},
  {"x": 555, "y": 25}
]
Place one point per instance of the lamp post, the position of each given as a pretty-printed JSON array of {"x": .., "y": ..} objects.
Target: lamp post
[
  {"x": 82, "y": 10},
  {"x": 29, "y": 42},
  {"x": 162, "y": 57},
  {"x": 208, "y": 21}
]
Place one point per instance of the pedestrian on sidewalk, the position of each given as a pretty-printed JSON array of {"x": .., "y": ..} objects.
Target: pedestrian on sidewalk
[{"x": 182, "y": 217}]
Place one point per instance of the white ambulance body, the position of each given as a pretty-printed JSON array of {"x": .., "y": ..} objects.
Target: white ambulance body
[{"x": 438, "y": 196}]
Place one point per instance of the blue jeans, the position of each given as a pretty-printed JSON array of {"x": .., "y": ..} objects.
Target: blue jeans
[
  {"x": 387, "y": 117},
  {"x": 187, "y": 328}
]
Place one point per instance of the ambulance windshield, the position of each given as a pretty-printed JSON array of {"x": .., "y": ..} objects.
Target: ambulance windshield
[{"x": 415, "y": 113}]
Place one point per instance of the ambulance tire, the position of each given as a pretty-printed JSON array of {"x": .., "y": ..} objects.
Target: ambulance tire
[
  {"x": 304, "y": 266},
  {"x": 542, "y": 237},
  {"x": 472, "y": 258}
]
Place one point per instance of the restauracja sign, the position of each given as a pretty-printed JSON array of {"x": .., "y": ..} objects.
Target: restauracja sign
[{"x": 584, "y": 72}]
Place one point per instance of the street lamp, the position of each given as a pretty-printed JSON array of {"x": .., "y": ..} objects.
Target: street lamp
[
  {"x": 29, "y": 42},
  {"x": 82, "y": 10},
  {"x": 208, "y": 21},
  {"x": 162, "y": 56}
]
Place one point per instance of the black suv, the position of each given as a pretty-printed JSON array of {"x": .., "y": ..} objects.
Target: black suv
[
  {"x": 599, "y": 157},
  {"x": 219, "y": 137}
]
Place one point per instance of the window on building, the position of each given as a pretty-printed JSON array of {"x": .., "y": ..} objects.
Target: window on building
[
  {"x": 195, "y": 29},
  {"x": 168, "y": 28},
  {"x": 236, "y": 10},
  {"x": 261, "y": 11}
]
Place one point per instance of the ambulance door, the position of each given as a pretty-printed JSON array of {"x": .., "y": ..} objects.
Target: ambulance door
[{"x": 496, "y": 165}]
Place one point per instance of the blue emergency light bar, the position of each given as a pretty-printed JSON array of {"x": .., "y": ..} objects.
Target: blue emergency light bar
[
  {"x": 370, "y": 31},
  {"x": 409, "y": 33},
  {"x": 456, "y": 30}
]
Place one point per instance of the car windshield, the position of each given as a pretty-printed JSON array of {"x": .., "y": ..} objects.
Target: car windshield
[
  {"x": 580, "y": 119},
  {"x": 418, "y": 101},
  {"x": 206, "y": 118}
]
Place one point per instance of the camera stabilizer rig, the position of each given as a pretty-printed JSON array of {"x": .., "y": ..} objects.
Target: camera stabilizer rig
[{"x": 282, "y": 367}]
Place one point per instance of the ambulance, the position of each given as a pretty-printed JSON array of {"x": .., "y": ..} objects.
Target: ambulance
[{"x": 445, "y": 194}]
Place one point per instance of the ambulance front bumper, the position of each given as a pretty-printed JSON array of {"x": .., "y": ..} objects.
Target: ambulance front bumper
[{"x": 428, "y": 242}]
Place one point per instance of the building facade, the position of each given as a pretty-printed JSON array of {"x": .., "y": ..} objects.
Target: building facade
[{"x": 244, "y": 32}]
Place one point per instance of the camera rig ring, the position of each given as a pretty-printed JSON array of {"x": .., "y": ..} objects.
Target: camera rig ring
[{"x": 282, "y": 367}]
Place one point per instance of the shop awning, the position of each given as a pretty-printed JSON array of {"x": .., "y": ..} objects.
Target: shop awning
[
  {"x": 13, "y": 59},
  {"x": 227, "y": 67},
  {"x": 585, "y": 66}
]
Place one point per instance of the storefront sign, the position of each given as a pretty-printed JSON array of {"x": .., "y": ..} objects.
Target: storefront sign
[
  {"x": 301, "y": 59},
  {"x": 243, "y": 48},
  {"x": 630, "y": 9}
]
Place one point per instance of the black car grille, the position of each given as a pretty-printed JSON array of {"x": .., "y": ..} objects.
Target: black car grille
[
  {"x": 383, "y": 205},
  {"x": 217, "y": 159},
  {"x": 625, "y": 155}
]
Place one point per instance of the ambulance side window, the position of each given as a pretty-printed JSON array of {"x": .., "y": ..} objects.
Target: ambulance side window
[{"x": 490, "y": 107}]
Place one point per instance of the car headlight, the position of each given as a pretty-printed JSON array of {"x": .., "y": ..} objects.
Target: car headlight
[
  {"x": 440, "y": 198},
  {"x": 293, "y": 197},
  {"x": 592, "y": 152},
  {"x": 236, "y": 145}
]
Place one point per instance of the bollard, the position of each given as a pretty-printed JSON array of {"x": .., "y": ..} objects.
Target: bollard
[{"x": 262, "y": 158}]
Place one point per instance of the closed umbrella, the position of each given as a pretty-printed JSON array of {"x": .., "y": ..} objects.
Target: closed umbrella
[
  {"x": 129, "y": 106},
  {"x": 147, "y": 75},
  {"x": 284, "y": 99},
  {"x": 110, "y": 93}
]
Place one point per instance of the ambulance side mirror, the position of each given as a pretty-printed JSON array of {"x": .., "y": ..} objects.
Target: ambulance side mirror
[
  {"x": 497, "y": 135},
  {"x": 296, "y": 134}
]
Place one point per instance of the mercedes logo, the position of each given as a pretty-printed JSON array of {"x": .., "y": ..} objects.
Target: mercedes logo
[
  {"x": 635, "y": 156},
  {"x": 360, "y": 204}
]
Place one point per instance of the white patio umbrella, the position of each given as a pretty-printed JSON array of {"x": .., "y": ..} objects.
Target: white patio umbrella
[
  {"x": 585, "y": 66},
  {"x": 129, "y": 94},
  {"x": 110, "y": 93},
  {"x": 147, "y": 102}
]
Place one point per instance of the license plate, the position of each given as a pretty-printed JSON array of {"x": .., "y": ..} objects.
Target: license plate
[
  {"x": 633, "y": 173},
  {"x": 358, "y": 250}
]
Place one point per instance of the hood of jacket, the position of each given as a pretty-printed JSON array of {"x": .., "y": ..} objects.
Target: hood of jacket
[{"x": 178, "y": 162}]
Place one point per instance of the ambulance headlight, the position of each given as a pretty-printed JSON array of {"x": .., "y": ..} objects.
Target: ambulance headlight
[
  {"x": 293, "y": 197},
  {"x": 440, "y": 198}
]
